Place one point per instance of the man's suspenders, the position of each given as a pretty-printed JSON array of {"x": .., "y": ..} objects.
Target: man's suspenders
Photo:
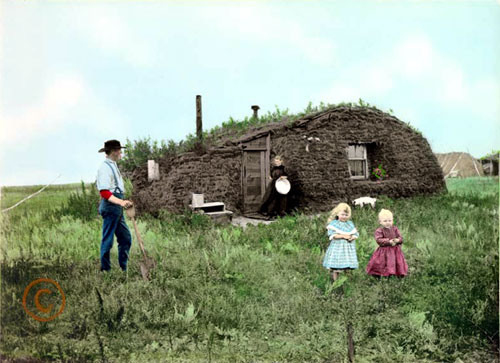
[{"x": 116, "y": 179}]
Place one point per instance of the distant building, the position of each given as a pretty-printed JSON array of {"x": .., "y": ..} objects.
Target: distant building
[
  {"x": 490, "y": 164},
  {"x": 459, "y": 165}
]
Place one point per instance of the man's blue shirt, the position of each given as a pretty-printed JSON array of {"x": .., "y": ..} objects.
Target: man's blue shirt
[{"x": 106, "y": 180}]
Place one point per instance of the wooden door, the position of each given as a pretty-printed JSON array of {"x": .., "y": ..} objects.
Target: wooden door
[{"x": 255, "y": 172}]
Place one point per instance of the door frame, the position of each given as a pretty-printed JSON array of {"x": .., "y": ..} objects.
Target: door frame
[{"x": 264, "y": 167}]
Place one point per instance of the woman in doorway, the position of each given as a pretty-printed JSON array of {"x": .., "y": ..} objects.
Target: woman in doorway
[{"x": 273, "y": 202}]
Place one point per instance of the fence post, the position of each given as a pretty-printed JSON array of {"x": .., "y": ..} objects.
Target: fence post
[
  {"x": 350, "y": 342},
  {"x": 153, "y": 170}
]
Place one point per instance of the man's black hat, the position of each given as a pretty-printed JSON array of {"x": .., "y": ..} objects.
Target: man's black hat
[{"x": 111, "y": 145}]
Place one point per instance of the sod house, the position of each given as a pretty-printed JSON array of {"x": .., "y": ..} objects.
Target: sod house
[
  {"x": 490, "y": 164},
  {"x": 330, "y": 156}
]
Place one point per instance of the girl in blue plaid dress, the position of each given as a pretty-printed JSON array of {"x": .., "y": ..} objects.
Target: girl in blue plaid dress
[{"x": 341, "y": 254}]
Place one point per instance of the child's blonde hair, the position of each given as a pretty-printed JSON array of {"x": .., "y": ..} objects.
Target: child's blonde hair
[
  {"x": 341, "y": 207},
  {"x": 277, "y": 161},
  {"x": 384, "y": 213}
]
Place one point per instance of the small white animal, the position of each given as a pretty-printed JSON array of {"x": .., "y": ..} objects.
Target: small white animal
[{"x": 365, "y": 200}]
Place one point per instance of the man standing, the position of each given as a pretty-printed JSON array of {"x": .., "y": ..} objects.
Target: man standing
[{"x": 111, "y": 187}]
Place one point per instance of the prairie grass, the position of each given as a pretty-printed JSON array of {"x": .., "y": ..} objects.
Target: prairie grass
[
  {"x": 482, "y": 185},
  {"x": 259, "y": 294},
  {"x": 51, "y": 198}
]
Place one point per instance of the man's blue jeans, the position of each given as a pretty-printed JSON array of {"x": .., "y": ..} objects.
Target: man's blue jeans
[{"x": 114, "y": 224}]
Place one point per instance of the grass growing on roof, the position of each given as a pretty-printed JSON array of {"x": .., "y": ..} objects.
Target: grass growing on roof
[{"x": 139, "y": 151}]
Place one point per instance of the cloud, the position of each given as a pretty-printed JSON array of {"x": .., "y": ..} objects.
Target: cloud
[
  {"x": 379, "y": 80},
  {"x": 484, "y": 96},
  {"x": 413, "y": 64},
  {"x": 67, "y": 101},
  {"x": 261, "y": 23},
  {"x": 47, "y": 114},
  {"x": 29, "y": 177},
  {"x": 413, "y": 57},
  {"x": 341, "y": 93},
  {"x": 452, "y": 88},
  {"x": 418, "y": 62},
  {"x": 100, "y": 25}
]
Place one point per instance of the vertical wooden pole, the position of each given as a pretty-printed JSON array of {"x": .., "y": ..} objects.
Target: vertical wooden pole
[
  {"x": 366, "y": 162},
  {"x": 350, "y": 343},
  {"x": 268, "y": 156},
  {"x": 262, "y": 173},
  {"x": 244, "y": 181},
  {"x": 199, "y": 129},
  {"x": 255, "y": 109}
]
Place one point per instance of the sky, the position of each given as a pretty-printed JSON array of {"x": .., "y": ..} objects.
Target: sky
[{"x": 74, "y": 74}]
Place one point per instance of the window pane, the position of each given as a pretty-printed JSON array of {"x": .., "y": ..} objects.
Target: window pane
[
  {"x": 357, "y": 167},
  {"x": 356, "y": 151},
  {"x": 360, "y": 151},
  {"x": 350, "y": 151}
]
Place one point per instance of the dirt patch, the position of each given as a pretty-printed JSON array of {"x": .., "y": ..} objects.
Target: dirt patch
[
  {"x": 20, "y": 360},
  {"x": 242, "y": 221}
]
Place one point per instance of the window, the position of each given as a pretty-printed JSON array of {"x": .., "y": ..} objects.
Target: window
[{"x": 357, "y": 161}]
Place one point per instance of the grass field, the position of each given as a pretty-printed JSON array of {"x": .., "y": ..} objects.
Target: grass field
[
  {"x": 51, "y": 198},
  {"x": 260, "y": 294}
]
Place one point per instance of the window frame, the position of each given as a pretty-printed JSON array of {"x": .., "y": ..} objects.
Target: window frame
[{"x": 364, "y": 158}]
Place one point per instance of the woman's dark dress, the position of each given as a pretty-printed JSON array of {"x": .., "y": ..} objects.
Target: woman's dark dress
[{"x": 274, "y": 203}]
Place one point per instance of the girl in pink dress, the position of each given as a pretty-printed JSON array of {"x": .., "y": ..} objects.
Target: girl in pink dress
[{"x": 388, "y": 259}]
